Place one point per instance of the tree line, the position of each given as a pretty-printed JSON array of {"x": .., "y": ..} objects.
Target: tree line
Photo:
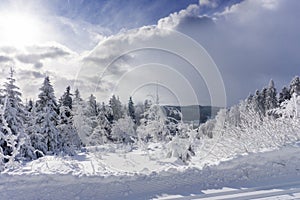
[{"x": 49, "y": 126}]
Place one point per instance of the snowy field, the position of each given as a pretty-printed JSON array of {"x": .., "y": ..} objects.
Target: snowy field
[{"x": 102, "y": 173}]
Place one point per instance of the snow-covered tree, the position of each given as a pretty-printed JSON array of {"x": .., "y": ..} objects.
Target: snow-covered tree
[
  {"x": 97, "y": 125},
  {"x": 9, "y": 145},
  {"x": 147, "y": 104},
  {"x": 91, "y": 109},
  {"x": 173, "y": 121},
  {"x": 123, "y": 130},
  {"x": 66, "y": 98},
  {"x": 131, "y": 110},
  {"x": 69, "y": 140},
  {"x": 105, "y": 113},
  {"x": 271, "y": 97},
  {"x": 258, "y": 102},
  {"x": 98, "y": 136},
  {"x": 295, "y": 86},
  {"x": 139, "y": 110},
  {"x": 36, "y": 137},
  {"x": 47, "y": 118},
  {"x": 290, "y": 108},
  {"x": 284, "y": 95},
  {"x": 91, "y": 112},
  {"x": 153, "y": 125},
  {"x": 116, "y": 107},
  {"x": 29, "y": 106},
  {"x": 234, "y": 115},
  {"x": 80, "y": 120},
  {"x": 15, "y": 116},
  {"x": 180, "y": 148},
  {"x": 102, "y": 132},
  {"x": 206, "y": 129},
  {"x": 264, "y": 101}
]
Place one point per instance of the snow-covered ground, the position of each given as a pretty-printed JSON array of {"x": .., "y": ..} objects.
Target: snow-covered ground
[{"x": 102, "y": 173}]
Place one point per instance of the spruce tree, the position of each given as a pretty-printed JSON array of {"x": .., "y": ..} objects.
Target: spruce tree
[
  {"x": 154, "y": 125},
  {"x": 15, "y": 116},
  {"x": 116, "y": 106},
  {"x": 102, "y": 132},
  {"x": 258, "y": 102},
  {"x": 8, "y": 141},
  {"x": 104, "y": 116},
  {"x": 68, "y": 138},
  {"x": 80, "y": 119},
  {"x": 295, "y": 86},
  {"x": 131, "y": 110},
  {"x": 284, "y": 95},
  {"x": 47, "y": 117},
  {"x": 67, "y": 99},
  {"x": 29, "y": 105},
  {"x": 271, "y": 97},
  {"x": 36, "y": 137},
  {"x": 92, "y": 109},
  {"x": 90, "y": 120}
]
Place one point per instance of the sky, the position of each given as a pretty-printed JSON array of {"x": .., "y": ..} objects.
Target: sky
[{"x": 189, "y": 52}]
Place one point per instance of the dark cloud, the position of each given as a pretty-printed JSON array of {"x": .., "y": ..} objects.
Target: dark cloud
[
  {"x": 54, "y": 52},
  {"x": 5, "y": 59},
  {"x": 29, "y": 58},
  {"x": 38, "y": 65},
  {"x": 30, "y": 74},
  {"x": 40, "y": 54},
  {"x": 251, "y": 43},
  {"x": 8, "y": 49},
  {"x": 37, "y": 74},
  {"x": 48, "y": 51}
]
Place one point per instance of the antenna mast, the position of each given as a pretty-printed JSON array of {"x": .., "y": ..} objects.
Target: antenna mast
[{"x": 157, "y": 97}]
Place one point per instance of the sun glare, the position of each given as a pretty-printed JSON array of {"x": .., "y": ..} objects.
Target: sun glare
[{"x": 19, "y": 30}]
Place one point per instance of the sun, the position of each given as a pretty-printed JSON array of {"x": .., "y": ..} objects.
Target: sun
[{"x": 19, "y": 29}]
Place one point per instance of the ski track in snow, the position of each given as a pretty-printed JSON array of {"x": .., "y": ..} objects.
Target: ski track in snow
[
  {"x": 250, "y": 193},
  {"x": 103, "y": 176}
]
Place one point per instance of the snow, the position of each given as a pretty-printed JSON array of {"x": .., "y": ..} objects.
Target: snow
[
  {"x": 100, "y": 161},
  {"x": 105, "y": 173}
]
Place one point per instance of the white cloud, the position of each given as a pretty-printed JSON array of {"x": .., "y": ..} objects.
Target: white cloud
[
  {"x": 174, "y": 19},
  {"x": 208, "y": 3},
  {"x": 123, "y": 55},
  {"x": 33, "y": 63},
  {"x": 249, "y": 10},
  {"x": 252, "y": 42}
]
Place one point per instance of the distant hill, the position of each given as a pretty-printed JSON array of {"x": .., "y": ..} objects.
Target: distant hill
[{"x": 192, "y": 113}]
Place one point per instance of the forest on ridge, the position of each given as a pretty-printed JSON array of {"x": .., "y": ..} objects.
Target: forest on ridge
[{"x": 63, "y": 126}]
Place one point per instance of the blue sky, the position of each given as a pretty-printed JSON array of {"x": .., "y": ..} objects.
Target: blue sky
[
  {"x": 118, "y": 14},
  {"x": 193, "y": 49}
]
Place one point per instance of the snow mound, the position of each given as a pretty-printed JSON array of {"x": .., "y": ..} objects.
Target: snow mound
[
  {"x": 107, "y": 175},
  {"x": 101, "y": 161}
]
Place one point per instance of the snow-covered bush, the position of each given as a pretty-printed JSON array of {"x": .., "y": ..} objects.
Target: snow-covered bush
[
  {"x": 242, "y": 129},
  {"x": 180, "y": 148},
  {"x": 154, "y": 125},
  {"x": 213, "y": 127},
  {"x": 290, "y": 108},
  {"x": 206, "y": 129},
  {"x": 123, "y": 130}
]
